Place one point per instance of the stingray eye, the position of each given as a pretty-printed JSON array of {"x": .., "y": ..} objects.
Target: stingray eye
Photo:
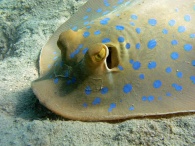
[{"x": 101, "y": 55}]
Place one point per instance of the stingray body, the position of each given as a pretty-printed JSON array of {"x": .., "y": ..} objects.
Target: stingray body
[{"x": 119, "y": 59}]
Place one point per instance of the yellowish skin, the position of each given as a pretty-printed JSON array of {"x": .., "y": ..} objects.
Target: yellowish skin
[{"x": 99, "y": 68}]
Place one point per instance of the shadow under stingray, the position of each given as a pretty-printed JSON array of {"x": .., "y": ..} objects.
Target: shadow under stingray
[{"x": 28, "y": 107}]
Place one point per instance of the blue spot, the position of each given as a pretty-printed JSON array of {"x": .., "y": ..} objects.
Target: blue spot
[
  {"x": 99, "y": 10},
  {"x": 96, "y": 101},
  {"x": 112, "y": 106},
  {"x": 152, "y": 44},
  {"x": 121, "y": 39},
  {"x": 141, "y": 76},
  {"x": 138, "y": 30},
  {"x": 72, "y": 55},
  {"x": 150, "y": 98},
  {"x": 88, "y": 90},
  {"x": 177, "y": 87},
  {"x": 106, "y": 12},
  {"x": 188, "y": 47},
  {"x": 144, "y": 98},
  {"x": 152, "y": 22},
  {"x": 131, "y": 108},
  {"x": 136, "y": 65},
  {"x": 49, "y": 66},
  {"x": 174, "y": 55},
  {"x": 55, "y": 58},
  {"x": 172, "y": 22},
  {"x": 165, "y": 31},
  {"x": 86, "y": 34},
  {"x": 54, "y": 52},
  {"x": 187, "y": 18},
  {"x": 181, "y": 29},
  {"x": 174, "y": 42},
  {"x": 132, "y": 23},
  {"x": 192, "y": 35},
  {"x": 194, "y": 7},
  {"x": 85, "y": 17},
  {"x": 74, "y": 28},
  {"x": 88, "y": 10},
  {"x": 192, "y": 78},
  {"x": 152, "y": 65},
  {"x": 120, "y": 1},
  {"x": 73, "y": 80},
  {"x": 86, "y": 23},
  {"x": 127, "y": 88},
  {"x": 168, "y": 70},
  {"x": 80, "y": 46},
  {"x": 120, "y": 67},
  {"x": 85, "y": 105},
  {"x": 77, "y": 51},
  {"x": 179, "y": 74},
  {"x": 128, "y": 46},
  {"x": 106, "y": 3},
  {"x": 168, "y": 94},
  {"x": 131, "y": 61},
  {"x": 104, "y": 21},
  {"x": 104, "y": 90},
  {"x": 106, "y": 40},
  {"x": 88, "y": 27},
  {"x": 159, "y": 98},
  {"x": 85, "y": 50},
  {"x": 193, "y": 62},
  {"x": 137, "y": 46},
  {"x": 134, "y": 17},
  {"x": 157, "y": 84},
  {"x": 120, "y": 27},
  {"x": 97, "y": 32},
  {"x": 56, "y": 80}
]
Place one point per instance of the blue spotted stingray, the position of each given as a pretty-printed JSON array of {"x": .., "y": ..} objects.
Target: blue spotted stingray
[{"x": 119, "y": 59}]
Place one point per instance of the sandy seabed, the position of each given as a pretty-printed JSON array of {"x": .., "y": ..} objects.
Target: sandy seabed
[{"x": 25, "y": 26}]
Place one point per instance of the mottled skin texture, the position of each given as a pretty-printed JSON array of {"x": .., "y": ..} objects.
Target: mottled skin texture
[{"x": 139, "y": 61}]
